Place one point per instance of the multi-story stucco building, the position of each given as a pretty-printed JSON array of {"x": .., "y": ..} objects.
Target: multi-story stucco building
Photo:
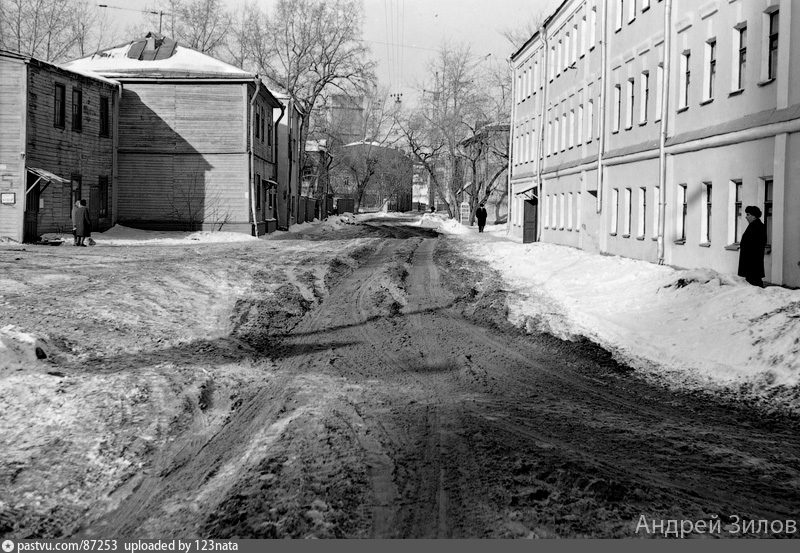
[{"x": 643, "y": 128}]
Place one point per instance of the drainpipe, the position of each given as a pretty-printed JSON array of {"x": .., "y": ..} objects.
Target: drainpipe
[
  {"x": 540, "y": 158},
  {"x": 511, "y": 152},
  {"x": 662, "y": 152},
  {"x": 603, "y": 98},
  {"x": 251, "y": 155}
]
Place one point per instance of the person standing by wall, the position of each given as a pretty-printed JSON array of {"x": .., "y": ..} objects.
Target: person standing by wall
[
  {"x": 751, "y": 247},
  {"x": 81, "y": 223},
  {"x": 481, "y": 215}
]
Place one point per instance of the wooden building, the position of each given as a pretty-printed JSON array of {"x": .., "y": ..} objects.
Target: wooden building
[
  {"x": 197, "y": 144},
  {"x": 288, "y": 128},
  {"x": 57, "y": 135}
]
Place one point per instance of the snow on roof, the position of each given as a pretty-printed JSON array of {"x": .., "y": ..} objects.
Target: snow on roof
[{"x": 184, "y": 62}]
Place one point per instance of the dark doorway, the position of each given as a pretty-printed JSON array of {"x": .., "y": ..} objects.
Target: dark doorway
[
  {"x": 529, "y": 219},
  {"x": 30, "y": 228}
]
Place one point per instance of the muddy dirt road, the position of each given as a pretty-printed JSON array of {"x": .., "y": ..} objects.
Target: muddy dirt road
[
  {"x": 404, "y": 405},
  {"x": 392, "y": 399}
]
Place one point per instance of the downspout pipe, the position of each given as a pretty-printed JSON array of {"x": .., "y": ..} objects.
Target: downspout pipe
[
  {"x": 601, "y": 146},
  {"x": 251, "y": 156},
  {"x": 540, "y": 158},
  {"x": 662, "y": 149},
  {"x": 511, "y": 153}
]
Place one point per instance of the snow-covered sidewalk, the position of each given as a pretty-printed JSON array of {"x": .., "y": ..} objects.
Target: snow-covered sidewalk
[{"x": 695, "y": 328}]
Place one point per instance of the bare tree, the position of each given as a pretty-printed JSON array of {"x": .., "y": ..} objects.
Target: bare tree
[
  {"x": 199, "y": 24},
  {"x": 38, "y": 28},
  {"x": 519, "y": 34}
]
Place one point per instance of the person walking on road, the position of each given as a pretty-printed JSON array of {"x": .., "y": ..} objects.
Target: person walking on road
[
  {"x": 751, "y": 247},
  {"x": 481, "y": 215},
  {"x": 81, "y": 223}
]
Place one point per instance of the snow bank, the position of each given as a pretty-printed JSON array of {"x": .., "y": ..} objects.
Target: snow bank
[
  {"x": 19, "y": 350},
  {"x": 697, "y": 327},
  {"x": 119, "y": 235}
]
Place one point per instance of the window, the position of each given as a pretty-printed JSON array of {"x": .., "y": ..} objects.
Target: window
[
  {"x": 102, "y": 190},
  {"x": 740, "y": 71},
  {"x": 620, "y": 11},
  {"x": 617, "y": 108},
  {"x": 258, "y": 190},
  {"x": 77, "y": 110},
  {"x": 577, "y": 211},
  {"x": 556, "y": 134},
  {"x": 680, "y": 231},
  {"x": 269, "y": 131},
  {"x": 644, "y": 93},
  {"x": 580, "y": 124},
  {"x": 629, "y": 107},
  {"x": 584, "y": 36},
  {"x": 737, "y": 220},
  {"x": 631, "y": 11},
  {"x": 571, "y": 128},
  {"x": 590, "y": 118},
  {"x": 659, "y": 91},
  {"x": 656, "y": 210},
  {"x": 574, "y": 43},
  {"x": 711, "y": 69},
  {"x": 263, "y": 122},
  {"x": 641, "y": 213},
  {"x": 705, "y": 227},
  {"x": 59, "y": 101},
  {"x": 561, "y": 211},
  {"x": 626, "y": 224},
  {"x": 768, "y": 209},
  {"x": 549, "y": 147},
  {"x": 569, "y": 211},
  {"x": 772, "y": 46},
  {"x": 258, "y": 122},
  {"x": 564, "y": 131},
  {"x": 614, "y": 210},
  {"x": 105, "y": 116},
  {"x": 592, "y": 27},
  {"x": 685, "y": 80},
  {"x": 554, "y": 211},
  {"x": 645, "y": 5}
]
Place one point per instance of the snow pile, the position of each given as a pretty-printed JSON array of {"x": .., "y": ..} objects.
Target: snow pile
[
  {"x": 19, "y": 350},
  {"x": 124, "y": 236},
  {"x": 695, "y": 327}
]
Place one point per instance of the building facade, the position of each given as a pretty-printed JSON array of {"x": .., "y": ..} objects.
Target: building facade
[
  {"x": 57, "y": 138},
  {"x": 643, "y": 128},
  {"x": 197, "y": 146}
]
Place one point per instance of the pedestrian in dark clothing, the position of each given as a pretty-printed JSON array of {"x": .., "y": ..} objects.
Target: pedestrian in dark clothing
[
  {"x": 81, "y": 223},
  {"x": 481, "y": 215},
  {"x": 751, "y": 248}
]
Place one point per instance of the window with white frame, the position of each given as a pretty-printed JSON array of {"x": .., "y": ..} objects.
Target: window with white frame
[
  {"x": 617, "y": 108},
  {"x": 626, "y": 223},
  {"x": 590, "y": 120},
  {"x": 629, "y": 90},
  {"x": 554, "y": 211},
  {"x": 552, "y": 63},
  {"x": 584, "y": 35},
  {"x": 644, "y": 95},
  {"x": 645, "y": 5},
  {"x": 549, "y": 137},
  {"x": 619, "y": 15},
  {"x": 580, "y": 124},
  {"x": 564, "y": 130},
  {"x": 592, "y": 27},
  {"x": 575, "y": 37},
  {"x": 772, "y": 20},
  {"x": 641, "y": 213},
  {"x": 578, "y": 211},
  {"x": 656, "y": 210},
  {"x": 546, "y": 211},
  {"x": 685, "y": 78},
  {"x": 736, "y": 214},
  {"x": 659, "y": 91},
  {"x": 561, "y": 211},
  {"x": 571, "y": 128},
  {"x": 710, "y": 73},
  {"x": 614, "y": 210},
  {"x": 631, "y": 10},
  {"x": 705, "y": 221},
  {"x": 569, "y": 211},
  {"x": 739, "y": 73},
  {"x": 682, "y": 210},
  {"x": 559, "y": 56}
]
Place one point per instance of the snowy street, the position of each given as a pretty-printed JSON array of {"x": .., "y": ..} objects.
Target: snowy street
[{"x": 400, "y": 377}]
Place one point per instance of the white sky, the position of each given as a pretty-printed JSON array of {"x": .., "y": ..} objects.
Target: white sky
[{"x": 416, "y": 28}]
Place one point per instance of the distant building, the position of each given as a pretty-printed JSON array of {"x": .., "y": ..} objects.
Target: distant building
[
  {"x": 197, "y": 147},
  {"x": 58, "y": 129},
  {"x": 600, "y": 84}
]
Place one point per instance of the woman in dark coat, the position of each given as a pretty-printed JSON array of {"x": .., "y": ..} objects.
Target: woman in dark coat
[
  {"x": 751, "y": 247},
  {"x": 82, "y": 225},
  {"x": 481, "y": 214}
]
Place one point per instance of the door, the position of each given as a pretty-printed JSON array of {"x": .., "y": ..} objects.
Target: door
[
  {"x": 30, "y": 227},
  {"x": 529, "y": 221}
]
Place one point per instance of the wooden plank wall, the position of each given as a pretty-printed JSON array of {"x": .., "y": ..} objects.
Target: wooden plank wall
[
  {"x": 12, "y": 81},
  {"x": 63, "y": 151},
  {"x": 182, "y": 152}
]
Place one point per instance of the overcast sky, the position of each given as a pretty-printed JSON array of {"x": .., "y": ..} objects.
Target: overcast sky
[{"x": 414, "y": 30}]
